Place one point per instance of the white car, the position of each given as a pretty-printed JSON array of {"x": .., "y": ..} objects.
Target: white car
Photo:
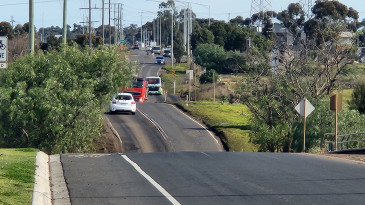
[
  {"x": 123, "y": 102},
  {"x": 160, "y": 60}
]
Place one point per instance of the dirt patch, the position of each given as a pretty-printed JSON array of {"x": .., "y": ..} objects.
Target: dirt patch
[
  {"x": 359, "y": 158},
  {"x": 109, "y": 142}
]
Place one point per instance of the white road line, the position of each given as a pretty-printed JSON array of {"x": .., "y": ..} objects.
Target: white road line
[{"x": 153, "y": 182}]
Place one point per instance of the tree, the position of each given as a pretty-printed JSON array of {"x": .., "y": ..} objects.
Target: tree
[
  {"x": 328, "y": 16},
  {"x": 83, "y": 40},
  {"x": 201, "y": 35},
  {"x": 178, "y": 46},
  {"x": 210, "y": 56},
  {"x": 292, "y": 18},
  {"x": 219, "y": 32},
  {"x": 6, "y": 29},
  {"x": 309, "y": 69},
  {"x": 358, "y": 98},
  {"x": 56, "y": 101}
]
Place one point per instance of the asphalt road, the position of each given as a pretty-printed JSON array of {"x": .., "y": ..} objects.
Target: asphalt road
[
  {"x": 170, "y": 159},
  {"x": 212, "y": 178},
  {"x": 160, "y": 127}
]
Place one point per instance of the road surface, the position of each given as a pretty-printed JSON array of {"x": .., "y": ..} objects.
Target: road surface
[{"x": 212, "y": 178}]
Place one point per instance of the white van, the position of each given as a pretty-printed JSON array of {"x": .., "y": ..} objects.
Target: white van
[
  {"x": 156, "y": 50},
  {"x": 154, "y": 85}
]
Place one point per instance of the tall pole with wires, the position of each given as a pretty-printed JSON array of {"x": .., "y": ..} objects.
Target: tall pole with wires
[
  {"x": 307, "y": 7},
  {"x": 260, "y": 7},
  {"x": 64, "y": 30},
  {"x": 102, "y": 22},
  {"x": 31, "y": 27},
  {"x": 90, "y": 39}
]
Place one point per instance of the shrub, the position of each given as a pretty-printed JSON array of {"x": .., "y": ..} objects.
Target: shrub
[
  {"x": 55, "y": 101},
  {"x": 358, "y": 98}
]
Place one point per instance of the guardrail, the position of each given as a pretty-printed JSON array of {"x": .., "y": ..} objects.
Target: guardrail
[{"x": 344, "y": 142}]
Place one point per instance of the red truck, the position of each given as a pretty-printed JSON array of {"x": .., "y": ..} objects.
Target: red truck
[{"x": 139, "y": 89}]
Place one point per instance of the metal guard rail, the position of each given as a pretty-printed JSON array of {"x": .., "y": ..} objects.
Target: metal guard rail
[{"x": 344, "y": 142}]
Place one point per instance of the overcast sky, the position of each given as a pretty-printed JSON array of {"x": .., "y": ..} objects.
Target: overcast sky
[{"x": 49, "y": 12}]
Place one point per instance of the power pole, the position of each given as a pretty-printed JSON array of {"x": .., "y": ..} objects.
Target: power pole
[
  {"x": 64, "y": 33},
  {"x": 110, "y": 28},
  {"x": 121, "y": 22},
  {"x": 160, "y": 29},
  {"x": 12, "y": 21},
  {"x": 90, "y": 39},
  {"x": 307, "y": 7},
  {"x": 115, "y": 27},
  {"x": 260, "y": 7},
  {"x": 172, "y": 39},
  {"x": 141, "y": 29},
  {"x": 31, "y": 27},
  {"x": 102, "y": 22},
  {"x": 89, "y": 22}
]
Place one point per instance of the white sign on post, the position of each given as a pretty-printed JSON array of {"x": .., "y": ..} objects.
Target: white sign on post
[
  {"x": 308, "y": 108},
  {"x": 3, "y": 51},
  {"x": 304, "y": 108}
]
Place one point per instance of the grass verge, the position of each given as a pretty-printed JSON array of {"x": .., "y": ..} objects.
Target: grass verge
[
  {"x": 17, "y": 167},
  {"x": 229, "y": 121}
]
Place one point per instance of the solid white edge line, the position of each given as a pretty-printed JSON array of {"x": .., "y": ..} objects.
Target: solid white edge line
[
  {"x": 209, "y": 132},
  {"x": 152, "y": 181}
]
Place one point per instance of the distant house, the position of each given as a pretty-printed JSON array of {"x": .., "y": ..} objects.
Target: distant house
[
  {"x": 283, "y": 35},
  {"x": 347, "y": 38}
]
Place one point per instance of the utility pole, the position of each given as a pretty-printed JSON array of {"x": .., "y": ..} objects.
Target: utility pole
[
  {"x": 160, "y": 29},
  {"x": 102, "y": 22},
  {"x": 64, "y": 33},
  {"x": 31, "y": 27},
  {"x": 260, "y": 7},
  {"x": 12, "y": 21},
  {"x": 307, "y": 7},
  {"x": 89, "y": 22},
  {"x": 110, "y": 28},
  {"x": 141, "y": 29},
  {"x": 121, "y": 22},
  {"x": 115, "y": 27},
  {"x": 90, "y": 40},
  {"x": 172, "y": 39}
]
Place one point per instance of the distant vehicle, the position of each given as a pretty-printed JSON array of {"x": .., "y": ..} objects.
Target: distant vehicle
[
  {"x": 160, "y": 60},
  {"x": 167, "y": 53},
  {"x": 148, "y": 48},
  {"x": 154, "y": 85},
  {"x": 123, "y": 102},
  {"x": 139, "y": 90},
  {"x": 135, "y": 46},
  {"x": 156, "y": 50}
]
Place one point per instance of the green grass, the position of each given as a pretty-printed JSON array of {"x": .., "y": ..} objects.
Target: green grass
[
  {"x": 17, "y": 167},
  {"x": 169, "y": 77},
  {"x": 230, "y": 121},
  {"x": 178, "y": 67}
]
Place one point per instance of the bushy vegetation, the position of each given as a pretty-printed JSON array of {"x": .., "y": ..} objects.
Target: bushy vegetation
[
  {"x": 55, "y": 101},
  {"x": 358, "y": 98}
]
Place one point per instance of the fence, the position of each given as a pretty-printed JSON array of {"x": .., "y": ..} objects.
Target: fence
[{"x": 344, "y": 142}]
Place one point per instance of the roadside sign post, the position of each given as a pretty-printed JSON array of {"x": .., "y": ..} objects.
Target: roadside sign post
[
  {"x": 336, "y": 105},
  {"x": 3, "y": 51},
  {"x": 304, "y": 108}
]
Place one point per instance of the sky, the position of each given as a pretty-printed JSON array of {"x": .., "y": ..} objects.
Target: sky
[{"x": 49, "y": 12}]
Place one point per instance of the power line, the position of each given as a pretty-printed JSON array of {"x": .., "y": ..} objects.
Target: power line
[{"x": 15, "y": 4}]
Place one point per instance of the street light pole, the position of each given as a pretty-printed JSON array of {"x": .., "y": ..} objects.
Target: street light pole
[
  {"x": 64, "y": 29},
  {"x": 172, "y": 38},
  {"x": 141, "y": 30}
]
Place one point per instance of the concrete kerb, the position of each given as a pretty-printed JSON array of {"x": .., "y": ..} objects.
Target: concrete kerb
[{"x": 42, "y": 189}]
